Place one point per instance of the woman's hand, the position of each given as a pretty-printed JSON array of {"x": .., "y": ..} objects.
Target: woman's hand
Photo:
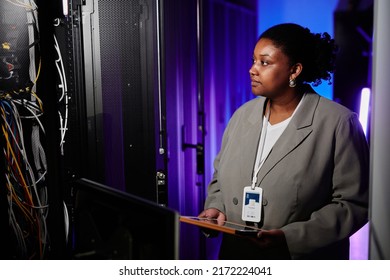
[
  {"x": 213, "y": 213},
  {"x": 273, "y": 240}
]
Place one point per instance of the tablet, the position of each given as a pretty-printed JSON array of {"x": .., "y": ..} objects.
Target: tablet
[{"x": 227, "y": 227}]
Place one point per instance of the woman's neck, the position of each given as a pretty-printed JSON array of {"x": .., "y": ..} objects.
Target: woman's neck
[{"x": 282, "y": 108}]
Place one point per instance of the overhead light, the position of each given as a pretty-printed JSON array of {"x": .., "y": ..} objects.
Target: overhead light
[{"x": 65, "y": 7}]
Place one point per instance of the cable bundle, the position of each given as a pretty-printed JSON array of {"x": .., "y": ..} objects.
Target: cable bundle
[
  {"x": 27, "y": 192},
  {"x": 22, "y": 129}
]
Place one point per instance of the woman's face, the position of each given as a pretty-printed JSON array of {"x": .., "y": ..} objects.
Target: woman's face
[{"x": 270, "y": 71}]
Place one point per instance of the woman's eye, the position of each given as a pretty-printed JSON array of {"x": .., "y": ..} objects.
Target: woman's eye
[{"x": 262, "y": 62}]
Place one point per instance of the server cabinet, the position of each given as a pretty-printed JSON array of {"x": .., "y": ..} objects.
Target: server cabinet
[{"x": 118, "y": 73}]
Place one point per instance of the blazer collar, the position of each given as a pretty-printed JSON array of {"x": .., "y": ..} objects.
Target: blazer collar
[
  {"x": 303, "y": 117},
  {"x": 296, "y": 132},
  {"x": 250, "y": 137}
]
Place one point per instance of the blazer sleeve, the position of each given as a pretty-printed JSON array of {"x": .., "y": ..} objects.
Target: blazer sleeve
[
  {"x": 347, "y": 210},
  {"x": 214, "y": 192}
]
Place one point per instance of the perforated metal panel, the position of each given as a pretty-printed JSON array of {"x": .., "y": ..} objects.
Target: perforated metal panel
[{"x": 121, "y": 91}]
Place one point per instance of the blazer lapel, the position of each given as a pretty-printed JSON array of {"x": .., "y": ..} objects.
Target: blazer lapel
[
  {"x": 251, "y": 136},
  {"x": 297, "y": 130}
]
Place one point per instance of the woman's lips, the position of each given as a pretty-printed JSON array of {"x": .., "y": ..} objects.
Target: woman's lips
[{"x": 255, "y": 83}]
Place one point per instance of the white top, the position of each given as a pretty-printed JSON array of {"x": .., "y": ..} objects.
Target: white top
[{"x": 273, "y": 134}]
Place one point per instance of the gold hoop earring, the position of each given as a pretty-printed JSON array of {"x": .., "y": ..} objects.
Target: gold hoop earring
[{"x": 292, "y": 83}]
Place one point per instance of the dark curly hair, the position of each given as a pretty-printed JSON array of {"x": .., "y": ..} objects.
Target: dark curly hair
[{"x": 315, "y": 51}]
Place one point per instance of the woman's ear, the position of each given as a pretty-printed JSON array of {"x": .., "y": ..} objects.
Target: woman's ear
[{"x": 296, "y": 70}]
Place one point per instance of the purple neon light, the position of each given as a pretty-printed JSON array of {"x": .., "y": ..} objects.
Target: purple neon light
[{"x": 364, "y": 108}]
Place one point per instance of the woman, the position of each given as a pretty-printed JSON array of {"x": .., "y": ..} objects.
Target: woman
[{"x": 303, "y": 158}]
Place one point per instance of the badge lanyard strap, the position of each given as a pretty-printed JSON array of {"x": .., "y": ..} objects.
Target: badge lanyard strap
[{"x": 260, "y": 148}]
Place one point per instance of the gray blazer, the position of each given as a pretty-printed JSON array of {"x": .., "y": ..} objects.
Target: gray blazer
[{"x": 314, "y": 181}]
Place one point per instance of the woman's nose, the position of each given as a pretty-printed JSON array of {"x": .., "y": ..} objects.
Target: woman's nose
[{"x": 253, "y": 70}]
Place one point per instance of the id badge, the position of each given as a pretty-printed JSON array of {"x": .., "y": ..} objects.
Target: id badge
[{"x": 251, "y": 204}]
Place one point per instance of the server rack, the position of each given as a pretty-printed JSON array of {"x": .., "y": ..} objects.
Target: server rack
[
  {"x": 104, "y": 112},
  {"x": 120, "y": 76},
  {"x": 29, "y": 169}
]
